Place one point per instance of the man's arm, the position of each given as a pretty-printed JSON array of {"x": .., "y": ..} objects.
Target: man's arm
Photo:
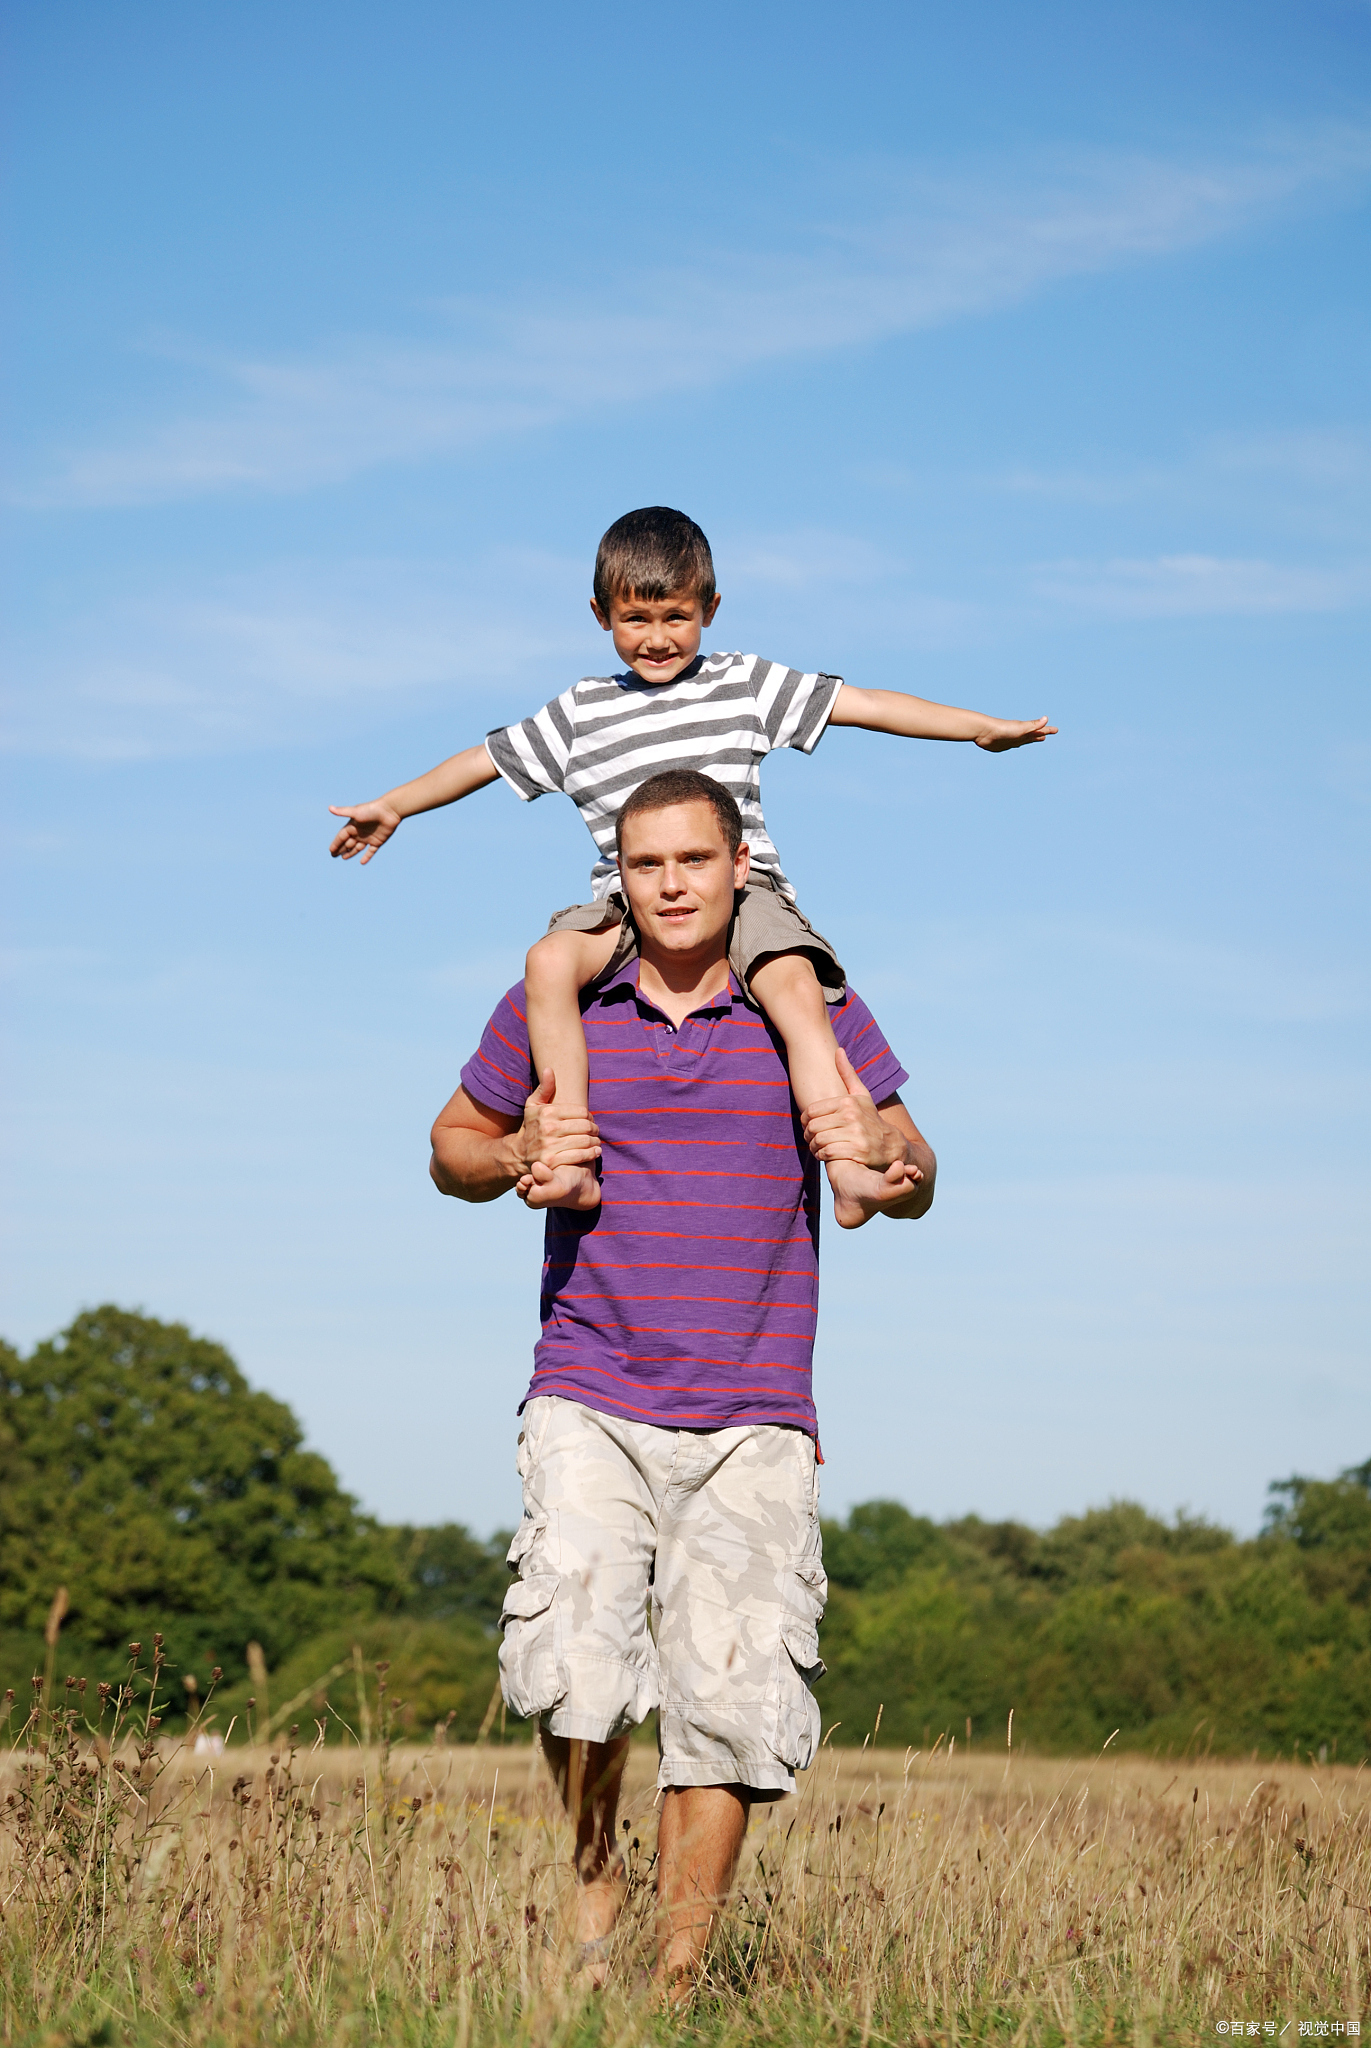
[
  {"x": 369, "y": 826},
  {"x": 880, "y": 1135},
  {"x": 917, "y": 718},
  {"x": 479, "y": 1154},
  {"x": 918, "y": 1158}
]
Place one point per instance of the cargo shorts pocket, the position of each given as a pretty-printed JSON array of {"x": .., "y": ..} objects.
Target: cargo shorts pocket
[
  {"x": 793, "y": 1721},
  {"x": 531, "y": 1675}
]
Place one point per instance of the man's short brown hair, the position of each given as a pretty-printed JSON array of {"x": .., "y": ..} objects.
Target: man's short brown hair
[
  {"x": 684, "y": 786},
  {"x": 653, "y": 553}
]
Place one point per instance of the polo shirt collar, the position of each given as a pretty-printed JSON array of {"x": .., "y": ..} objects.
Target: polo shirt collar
[{"x": 623, "y": 986}]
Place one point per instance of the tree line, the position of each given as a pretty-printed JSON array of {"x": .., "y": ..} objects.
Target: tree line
[{"x": 140, "y": 1472}]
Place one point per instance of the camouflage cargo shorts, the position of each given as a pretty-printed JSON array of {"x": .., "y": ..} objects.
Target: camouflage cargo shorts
[{"x": 668, "y": 1568}]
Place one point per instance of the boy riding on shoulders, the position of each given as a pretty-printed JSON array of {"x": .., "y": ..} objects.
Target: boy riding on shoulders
[{"x": 672, "y": 707}]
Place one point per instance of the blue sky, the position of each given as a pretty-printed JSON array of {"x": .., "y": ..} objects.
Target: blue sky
[{"x": 1018, "y": 357}]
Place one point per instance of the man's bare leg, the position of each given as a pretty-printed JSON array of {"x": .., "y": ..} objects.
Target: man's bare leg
[
  {"x": 556, "y": 971},
  {"x": 699, "y": 1841},
  {"x": 788, "y": 990},
  {"x": 589, "y": 1775}
]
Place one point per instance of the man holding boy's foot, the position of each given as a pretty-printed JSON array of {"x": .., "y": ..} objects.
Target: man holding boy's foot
[{"x": 668, "y": 1451}]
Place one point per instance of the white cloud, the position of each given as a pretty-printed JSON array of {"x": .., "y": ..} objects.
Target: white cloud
[
  {"x": 1191, "y": 586},
  {"x": 262, "y": 657},
  {"x": 1330, "y": 459},
  {"x": 254, "y": 659},
  {"x": 915, "y": 255},
  {"x": 1349, "y": 769},
  {"x": 1226, "y": 980},
  {"x": 794, "y": 561},
  {"x": 785, "y": 573},
  {"x": 1157, "y": 976},
  {"x": 1316, "y": 481}
]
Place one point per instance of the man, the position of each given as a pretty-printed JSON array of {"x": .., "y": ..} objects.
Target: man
[{"x": 669, "y": 1447}]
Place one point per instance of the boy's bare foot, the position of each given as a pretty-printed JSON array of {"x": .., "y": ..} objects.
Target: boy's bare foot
[
  {"x": 559, "y": 1187},
  {"x": 859, "y": 1191}
]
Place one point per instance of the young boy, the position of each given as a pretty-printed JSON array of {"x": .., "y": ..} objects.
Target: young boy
[{"x": 671, "y": 707}]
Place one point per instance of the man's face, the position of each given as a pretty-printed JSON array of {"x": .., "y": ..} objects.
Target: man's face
[
  {"x": 680, "y": 879},
  {"x": 657, "y": 637}
]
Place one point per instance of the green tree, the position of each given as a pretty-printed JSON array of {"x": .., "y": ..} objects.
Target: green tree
[
  {"x": 878, "y": 1544},
  {"x": 1173, "y": 1634},
  {"x": 140, "y": 1470},
  {"x": 1330, "y": 1522},
  {"x": 1324, "y": 1514},
  {"x": 1090, "y": 1549},
  {"x": 446, "y": 1572}
]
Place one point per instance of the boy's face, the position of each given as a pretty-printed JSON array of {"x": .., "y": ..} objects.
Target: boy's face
[{"x": 657, "y": 637}]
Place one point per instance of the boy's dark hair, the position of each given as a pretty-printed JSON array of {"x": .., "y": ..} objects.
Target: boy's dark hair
[
  {"x": 652, "y": 554},
  {"x": 684, "y": 786}
]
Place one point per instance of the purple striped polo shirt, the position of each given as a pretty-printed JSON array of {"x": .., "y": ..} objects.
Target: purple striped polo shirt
[{"x": 689, "y": 1297}]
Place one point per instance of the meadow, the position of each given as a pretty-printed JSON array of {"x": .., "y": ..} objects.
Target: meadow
[
  {"x": 314, "y": 1892},
  {"x": 298, "y": 1816}
]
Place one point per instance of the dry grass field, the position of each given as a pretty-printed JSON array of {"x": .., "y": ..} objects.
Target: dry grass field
[{"x": 148, "y": 1895}]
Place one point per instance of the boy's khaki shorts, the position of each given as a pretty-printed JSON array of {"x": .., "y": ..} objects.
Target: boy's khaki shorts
[
  {"x": 764, "y": 924},
  {"x": 671, "y": 1568}
]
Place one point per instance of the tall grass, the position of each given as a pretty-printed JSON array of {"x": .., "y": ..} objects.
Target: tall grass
[{"x": 311, "y": 1894}]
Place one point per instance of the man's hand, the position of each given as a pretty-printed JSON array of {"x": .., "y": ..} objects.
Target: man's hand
[
  {"x": 560, "y": 1147},
  {"x": 479, "y": 1153},
  {"x": 1005, "y": 733},
  {"x": 368, "y": 828},
  {"x": 877, "y": 1161},
  {"x": 895, "y": 1193},
  {"x": 850, "y": 1126}
]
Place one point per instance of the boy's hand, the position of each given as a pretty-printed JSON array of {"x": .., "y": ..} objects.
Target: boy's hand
[
  {"x": 850, "y": 1126},
  {"x": 1013, "y": 732},
  {"x": 368, "y": 828}
]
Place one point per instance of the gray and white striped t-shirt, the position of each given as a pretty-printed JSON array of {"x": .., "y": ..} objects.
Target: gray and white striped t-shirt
[{"x": 606, "y": 734}]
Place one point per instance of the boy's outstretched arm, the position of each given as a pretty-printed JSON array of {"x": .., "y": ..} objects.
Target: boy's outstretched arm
[
  {"x": 369, "y": 826},
  {"x": 917, "y": 718}
]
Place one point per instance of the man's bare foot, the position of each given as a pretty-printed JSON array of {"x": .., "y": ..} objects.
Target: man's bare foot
[
  {"x": 586, "y": 1959},
  {"x": 674, "y": 1987},
  {"x": 859, "y": 1191},
  {"x": 598, "y": 1907},
  {"x": 561, "y": 1187}
]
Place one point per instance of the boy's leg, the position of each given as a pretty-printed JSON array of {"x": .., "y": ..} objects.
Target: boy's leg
[
  {"x": 556, "y": 971},
  {"x": 788, "y": 990}
]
